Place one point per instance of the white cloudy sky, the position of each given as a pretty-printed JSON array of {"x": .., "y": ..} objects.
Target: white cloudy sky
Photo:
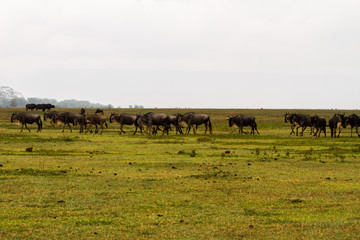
[{"x": 184, "y": 53}]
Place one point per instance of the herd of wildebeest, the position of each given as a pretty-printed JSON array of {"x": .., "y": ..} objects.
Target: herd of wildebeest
[{"x": 152, "y": 123}]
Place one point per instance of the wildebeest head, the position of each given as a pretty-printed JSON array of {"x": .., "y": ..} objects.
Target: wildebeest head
[
  {"x": 231, "y": 121},
  {"x": 15, "y": 117},
  {"x": 113, "y": 117},
  {"x": 343, "y": 120}
]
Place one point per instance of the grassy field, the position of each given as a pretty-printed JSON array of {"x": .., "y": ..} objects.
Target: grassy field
[{"x": 220, "y": 186}]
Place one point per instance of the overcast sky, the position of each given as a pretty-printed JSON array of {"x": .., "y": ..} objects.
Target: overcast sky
[{"x": 184, "y": 53}]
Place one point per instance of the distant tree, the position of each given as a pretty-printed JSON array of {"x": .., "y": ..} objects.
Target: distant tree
[{"x": 130, "y": 106}]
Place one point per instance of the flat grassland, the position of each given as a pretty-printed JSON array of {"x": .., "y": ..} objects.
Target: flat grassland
[{"x": 220, "y": 186}]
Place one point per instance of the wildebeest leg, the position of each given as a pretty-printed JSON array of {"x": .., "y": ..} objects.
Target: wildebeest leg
[
  {"x": 193, "y": 127},
  {"x": 357, "y": 131},
  {"x": 302, "y": 130},
  {"x": 101, "y": 127},
  {"x": 27, "y": 127},
  {"x": 22, "y": 127},
  {"x": 292, "y": 129},
  {"x": 233, "y": 130},
  {"x": 206, "y": 127}
]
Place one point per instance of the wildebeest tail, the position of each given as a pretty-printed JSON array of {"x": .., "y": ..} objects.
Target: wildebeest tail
[
  {"x": 106, "y": 125},
  {"x": 210, "y": 125}
]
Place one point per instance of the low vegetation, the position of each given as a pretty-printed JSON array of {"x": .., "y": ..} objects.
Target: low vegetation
[{"x": 223, "y": 186}]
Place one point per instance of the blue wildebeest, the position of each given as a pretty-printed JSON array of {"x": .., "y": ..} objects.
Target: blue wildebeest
[
  {"x": 152, "y": 122},
  {"x": 25, "y": 118},
  {"x": 300, "y": 120},
  {"x": 174, "y": 120},
  {"x": 68, "y": 118},
  {"x": 335, "y": 123},
  {"x": 122, "y": 119},
  {"x": 288, "y": 118},
  {"x": 242, "y": 121},
  {"x": 50, "y": 115},
  {"x": 319, "y": 123},
  {"x": 353, "y": 121},
  {"x": 30, "y": 106},
  {"x": 99, "y": 111},
  {"x": 195, "y": 119},
  {"x": 95, "y": 120}
]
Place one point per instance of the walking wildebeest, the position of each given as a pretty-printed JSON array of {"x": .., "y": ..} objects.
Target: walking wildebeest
[
  {"x": 30, "y": 106},
  {"x": 122, "y": 119},
  {"x": 242, "y": 121},
  {"x": 95, "y": 120},
  {"x": 25, "y": 118},
  {"x": 154, "y": 119},
  {"x": 174, "y": 120},
  {"x": 192, "y": 119},
  {"x": 300, "y": 120},
  {"x": 319, "y": 123},
  {"x": 99, "y": 111},
  {"x": 49, "y": 106},
  {"x": 354, "y": 121},
  {"x": 50, "y": 115},
  {"x": 336, "y": 122},
  {"x": 67, "y": 118}
]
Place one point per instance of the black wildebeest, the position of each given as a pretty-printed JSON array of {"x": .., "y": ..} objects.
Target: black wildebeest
[
  {"x": 50, "y": 115},
  {"x": 25, "y": 118},
  {"x": 68, "y": 118},
  {"x": 335, "y": 123},
  {"x": 95, "y": 120},
  {"x": 319, "y": 123},
  {"x": 151, "y": 120},
  {"x": 192, "y": 119},
  {"x": 242, "y": 121},
  {"x": 353, "y": 121},
  {"x": 30, "y": 106},
  {"x": 99, "y": 111},
  {"x": 122, "y": 119}
]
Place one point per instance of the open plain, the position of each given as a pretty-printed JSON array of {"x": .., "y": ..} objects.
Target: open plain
[{"x": 220, "y": 186}]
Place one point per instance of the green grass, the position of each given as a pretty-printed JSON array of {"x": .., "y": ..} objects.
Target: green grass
[{"x": 221, "y": 186}]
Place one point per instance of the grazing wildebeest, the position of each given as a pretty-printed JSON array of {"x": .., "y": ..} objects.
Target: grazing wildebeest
[
  {"x": 174, "y": 120},
  {"x": 122, "y": 119},
  {"x": 336, "y": 122},
  {"x": 192, "y": 119},
  {"x": 354, "y": 121},
  {"x": 242, "y": 121},
  {"x": 95, "y": 120},
  {"x": 99, "y": 111},
  {"x": 319, "y": 123},
  {"x": 30, "y": 106},
  {"x": 25, "y": 118},
  {"x": 67, "y": 118},
  {"x": 50, "y": 115},
  {"x": 151, "y": 120}
]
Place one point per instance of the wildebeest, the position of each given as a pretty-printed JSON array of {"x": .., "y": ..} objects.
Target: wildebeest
[
  {"x": 319, "y": 123},
  {"x": 68, "y": 118},
  {"x": 174, "y": 120},
  {"x": 336, "y": 122},
  {"x": 242, "y": 121},
  {"x": 82, "y": 111},
  {"x": 354, "y": 121},
  {"x": 95, "y": 120},
  {"x": 30, "y": 106},
  {"x": 195, "y": 119},
  {"x": 300, "y": 120},
  {"x": 122, "y": 119},
  {"x": 151, "y": 120},
  {"x": 99, "y": 111},
  {"x": 25, "y": 118},
  {"x": 50, "y": 115}
]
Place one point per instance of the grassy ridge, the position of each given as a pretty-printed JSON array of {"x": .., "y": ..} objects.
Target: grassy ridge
[{"x": 272, "y": 186}]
